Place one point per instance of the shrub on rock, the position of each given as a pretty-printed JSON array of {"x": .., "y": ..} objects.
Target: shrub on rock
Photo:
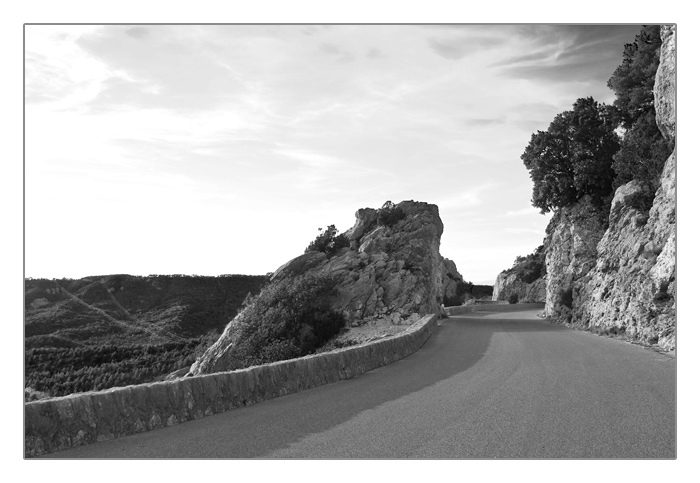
[{"x": 286, "y": 320}]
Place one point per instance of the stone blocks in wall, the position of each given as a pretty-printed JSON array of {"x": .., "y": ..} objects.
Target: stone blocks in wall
[
  {"x": 60, "y": 423},
  {"x": 499, "y": 306}
]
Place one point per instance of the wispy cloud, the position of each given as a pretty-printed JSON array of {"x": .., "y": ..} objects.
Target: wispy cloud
[
  {"x": 342, "y": 54},
  {"x": 523, "y": 212},
  {"x": 465, "y": 199},
  {"x": 309, "y": 158},
  {"x": 263, "y": 121},
  {"x": 458, "y": 47},
  {"x": 484, "y": 122}
]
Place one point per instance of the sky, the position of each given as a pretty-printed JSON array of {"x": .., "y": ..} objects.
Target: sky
[{"x": 221, "y": 149}]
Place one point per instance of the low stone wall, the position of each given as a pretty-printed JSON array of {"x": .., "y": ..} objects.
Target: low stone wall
[
  {"x": 84, "y": 418},
  {"x": 499, "y": 307},
  {"x": 462, "y": 309}
]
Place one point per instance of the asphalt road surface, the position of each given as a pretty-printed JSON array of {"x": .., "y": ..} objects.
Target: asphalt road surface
[{"x": 486, "y": 385}]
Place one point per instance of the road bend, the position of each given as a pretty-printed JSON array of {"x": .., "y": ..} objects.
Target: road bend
[{"x": 485, "y": 385}]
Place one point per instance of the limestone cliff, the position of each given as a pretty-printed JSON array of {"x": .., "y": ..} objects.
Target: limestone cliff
[
  {"x": 572, "y": 238},
  {"x": 525, "y": 281},
  {"x": 626, "y": 284},
  {"x": 452, "y": 282},
  {"x": 509, "y": 286},
  {"x": 390, "y": 273}
]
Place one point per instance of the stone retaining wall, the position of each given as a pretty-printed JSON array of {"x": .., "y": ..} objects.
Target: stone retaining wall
[
  {"x": 501, "y": 307},
  {"x": 59, "y": 423}
]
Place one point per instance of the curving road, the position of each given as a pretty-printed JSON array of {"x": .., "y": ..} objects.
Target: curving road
[{"x": 486, "y": 385}]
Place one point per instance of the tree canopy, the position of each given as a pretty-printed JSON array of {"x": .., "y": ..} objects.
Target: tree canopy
[
  {"x": 643, "y": 151},
  {"x": 633, "y": 80},
  {"x": 595, "y": 148},
  {"x": 573, "y": 157}
]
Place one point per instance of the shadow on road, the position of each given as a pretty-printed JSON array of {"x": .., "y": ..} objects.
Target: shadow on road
[
  {"x": 259, "y": 430},
  {"x": 457, "y": 345},
  {"x": 502, "y": 323}
]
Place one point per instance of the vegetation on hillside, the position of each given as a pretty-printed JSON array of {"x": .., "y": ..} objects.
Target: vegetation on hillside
[
  {"x": 100, "y": 332},
  {"x": 643, "y": 149},
  {"x": 329, "y": 241},
  {"x": 530, "y": 267},
  {"x": 288, "y": 319},
  {"x": 58, "y": 371},
  {"x": 390, "y": 214},
  {"x": 467, "y": 290}
]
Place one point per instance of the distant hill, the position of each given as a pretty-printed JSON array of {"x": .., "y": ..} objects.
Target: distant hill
[{"x": 98, "y": 332}]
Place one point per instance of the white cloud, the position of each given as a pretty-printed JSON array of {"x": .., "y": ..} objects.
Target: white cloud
[{"x": 159, "y": 125}]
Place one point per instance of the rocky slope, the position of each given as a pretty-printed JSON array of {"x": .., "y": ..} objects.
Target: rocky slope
[
  {"x": 390, "y": 275},
  {"x": 623, "y": 281}
]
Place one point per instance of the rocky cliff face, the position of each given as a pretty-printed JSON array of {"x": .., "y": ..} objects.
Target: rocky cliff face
[
  {"x": 572, "y": 237},
  {"x": 389, "y": 274},
  {"x": 627, "y": 283},
  {"x": 451, "y": 279},
  {"x": 507, "y": 285},
  {"x": 525, "y": 281}
]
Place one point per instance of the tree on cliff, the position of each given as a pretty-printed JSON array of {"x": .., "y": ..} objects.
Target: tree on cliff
[
  {"x": 573, "y": 157},
  {"x": 633, "y": 80},
  {"x": 328, "y": 241},
  {"x": 643, "y": 151}
]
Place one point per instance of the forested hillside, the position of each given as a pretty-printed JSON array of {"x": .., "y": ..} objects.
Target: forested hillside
[{"x": 98, "y": 332}]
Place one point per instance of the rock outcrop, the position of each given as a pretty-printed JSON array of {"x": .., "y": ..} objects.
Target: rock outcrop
[
  {"x": 665, "y": 84},
  {"x": 390, "y": 273},
  {"x": 525, "y": 281},
  {"x": 626, "y": 284},
  {"x": 451, "y": 280},
  {"x": 571, "y": 244},
  {"x": 509, "y": 285}
]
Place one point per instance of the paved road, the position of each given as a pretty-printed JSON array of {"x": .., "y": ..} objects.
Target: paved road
[{"x": 486, "y": 385}]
